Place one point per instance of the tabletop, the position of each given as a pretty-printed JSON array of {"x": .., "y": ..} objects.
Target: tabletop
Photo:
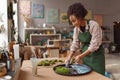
[{"x": 47, "y": 73}]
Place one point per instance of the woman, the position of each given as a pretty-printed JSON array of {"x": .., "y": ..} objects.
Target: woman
[{"x": 89, "y": 34}]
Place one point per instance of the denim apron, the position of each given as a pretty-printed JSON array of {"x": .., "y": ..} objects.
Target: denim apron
[{"x": 96, "y": 59}]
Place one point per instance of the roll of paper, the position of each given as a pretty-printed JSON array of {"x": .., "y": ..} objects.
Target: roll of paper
[{"x": 16, "y": 51}]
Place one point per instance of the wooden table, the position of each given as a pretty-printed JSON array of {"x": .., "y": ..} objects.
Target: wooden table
[{"x": 47, "y": 73}]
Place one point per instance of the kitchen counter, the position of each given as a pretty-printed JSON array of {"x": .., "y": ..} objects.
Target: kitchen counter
[{"x": 47, "y": 73}]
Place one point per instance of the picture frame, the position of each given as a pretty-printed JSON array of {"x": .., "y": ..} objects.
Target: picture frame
[
  {"x": 63, "y": 17},
  {"x": 52, "y": 16},
  {"x": 37, "y": 10}
]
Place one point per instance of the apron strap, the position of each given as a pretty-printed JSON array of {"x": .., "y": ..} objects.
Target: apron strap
[{"x": 88, "y": 24}]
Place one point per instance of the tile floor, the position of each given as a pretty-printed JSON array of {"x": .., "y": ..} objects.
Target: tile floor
[{"x": 113, "y": 65}]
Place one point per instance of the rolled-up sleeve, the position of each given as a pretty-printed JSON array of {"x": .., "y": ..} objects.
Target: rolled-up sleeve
[
  {"x": 96, "y": 39},
  {"x": 75, "y": 43}
]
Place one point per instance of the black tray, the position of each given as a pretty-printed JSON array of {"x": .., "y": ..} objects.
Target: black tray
[{"x": 75, "y": 69}]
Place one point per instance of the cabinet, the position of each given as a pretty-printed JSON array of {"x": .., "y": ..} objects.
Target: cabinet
[
  {"x": 116, "y": 33},
  {"x": 36, "y": 32},
  {"x": 116, "y": 28}
]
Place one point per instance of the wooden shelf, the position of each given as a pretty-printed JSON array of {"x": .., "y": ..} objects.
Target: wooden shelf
[
  {"x": 59, "y": 42},
  {"x": 36, "y": 32},
  {"x": 40, "y": 29},
  {"x": 37, "y": 39}
]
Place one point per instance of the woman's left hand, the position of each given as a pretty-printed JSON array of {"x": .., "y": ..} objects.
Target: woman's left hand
[{"x": 78, "y": 59}]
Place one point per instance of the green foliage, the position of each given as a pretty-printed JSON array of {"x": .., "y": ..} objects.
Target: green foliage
[
  {"x": 48, "y": 62},
  {"x": 44, "y": 63},
  {"x": 62, "y": 70}
]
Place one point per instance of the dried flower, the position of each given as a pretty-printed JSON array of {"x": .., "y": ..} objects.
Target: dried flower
[{"x": 27, "y": 19}]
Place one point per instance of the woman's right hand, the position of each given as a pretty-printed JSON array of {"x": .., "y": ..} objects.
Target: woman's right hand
[
  {"x": 68, "y": 59},
  {"x": 67, "y": 62}
]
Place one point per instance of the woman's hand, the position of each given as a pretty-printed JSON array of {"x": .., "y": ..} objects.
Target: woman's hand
[
  {"x": 78, "y": 59},
  {"x": 67, "y": 61}
]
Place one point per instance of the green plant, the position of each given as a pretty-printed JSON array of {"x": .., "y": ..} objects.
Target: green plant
[{"x": 62, "y": 70}]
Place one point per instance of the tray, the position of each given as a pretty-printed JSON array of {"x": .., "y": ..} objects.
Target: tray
[{"x": 75, "y": 69}]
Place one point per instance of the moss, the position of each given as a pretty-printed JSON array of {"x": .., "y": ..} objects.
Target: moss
[
  {"x": 62, "y": 70},
  {"x": 52, "y": 62},
  {"x": 44, "y": 63},
  {"x": 60, "y": 61},
  {"x": 48, "y": 62}
]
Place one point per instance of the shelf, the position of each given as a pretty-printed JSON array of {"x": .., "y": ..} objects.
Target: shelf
[
  {"x": 62, "y": 40},
  {"x": 41, "y": 39},
  {"x": 40, "y": 29},
  {"x": 37, "y": 32},
  {"x": 63, "y": 44},
  {"x": 106, "y": 36}
]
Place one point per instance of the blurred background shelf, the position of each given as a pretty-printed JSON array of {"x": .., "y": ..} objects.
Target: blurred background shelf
[
  {"x": 41, "y": 39},
  {"x": 28, "y": 31}
]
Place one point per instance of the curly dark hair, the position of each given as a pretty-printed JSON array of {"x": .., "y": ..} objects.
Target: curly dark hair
[{"x": 77, "y": 9}]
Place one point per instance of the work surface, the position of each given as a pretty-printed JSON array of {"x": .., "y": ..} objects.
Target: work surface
[{"x": 47, "y": 73}]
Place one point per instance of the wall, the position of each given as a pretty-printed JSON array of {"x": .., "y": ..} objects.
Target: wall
[
  {"x": 62, "y": 5},
  {"x": 109, "y": 11},
  {"x": 112, "y": 13},
  {"x": 4, "y": 35}
]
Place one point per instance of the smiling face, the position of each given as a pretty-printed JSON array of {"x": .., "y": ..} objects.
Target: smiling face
[{"x": 77, "y": 22}]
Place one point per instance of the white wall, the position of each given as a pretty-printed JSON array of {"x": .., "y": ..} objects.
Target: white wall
[
  {"x": 4, "y": 35},
  {"x": 111, "y": 14}
]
